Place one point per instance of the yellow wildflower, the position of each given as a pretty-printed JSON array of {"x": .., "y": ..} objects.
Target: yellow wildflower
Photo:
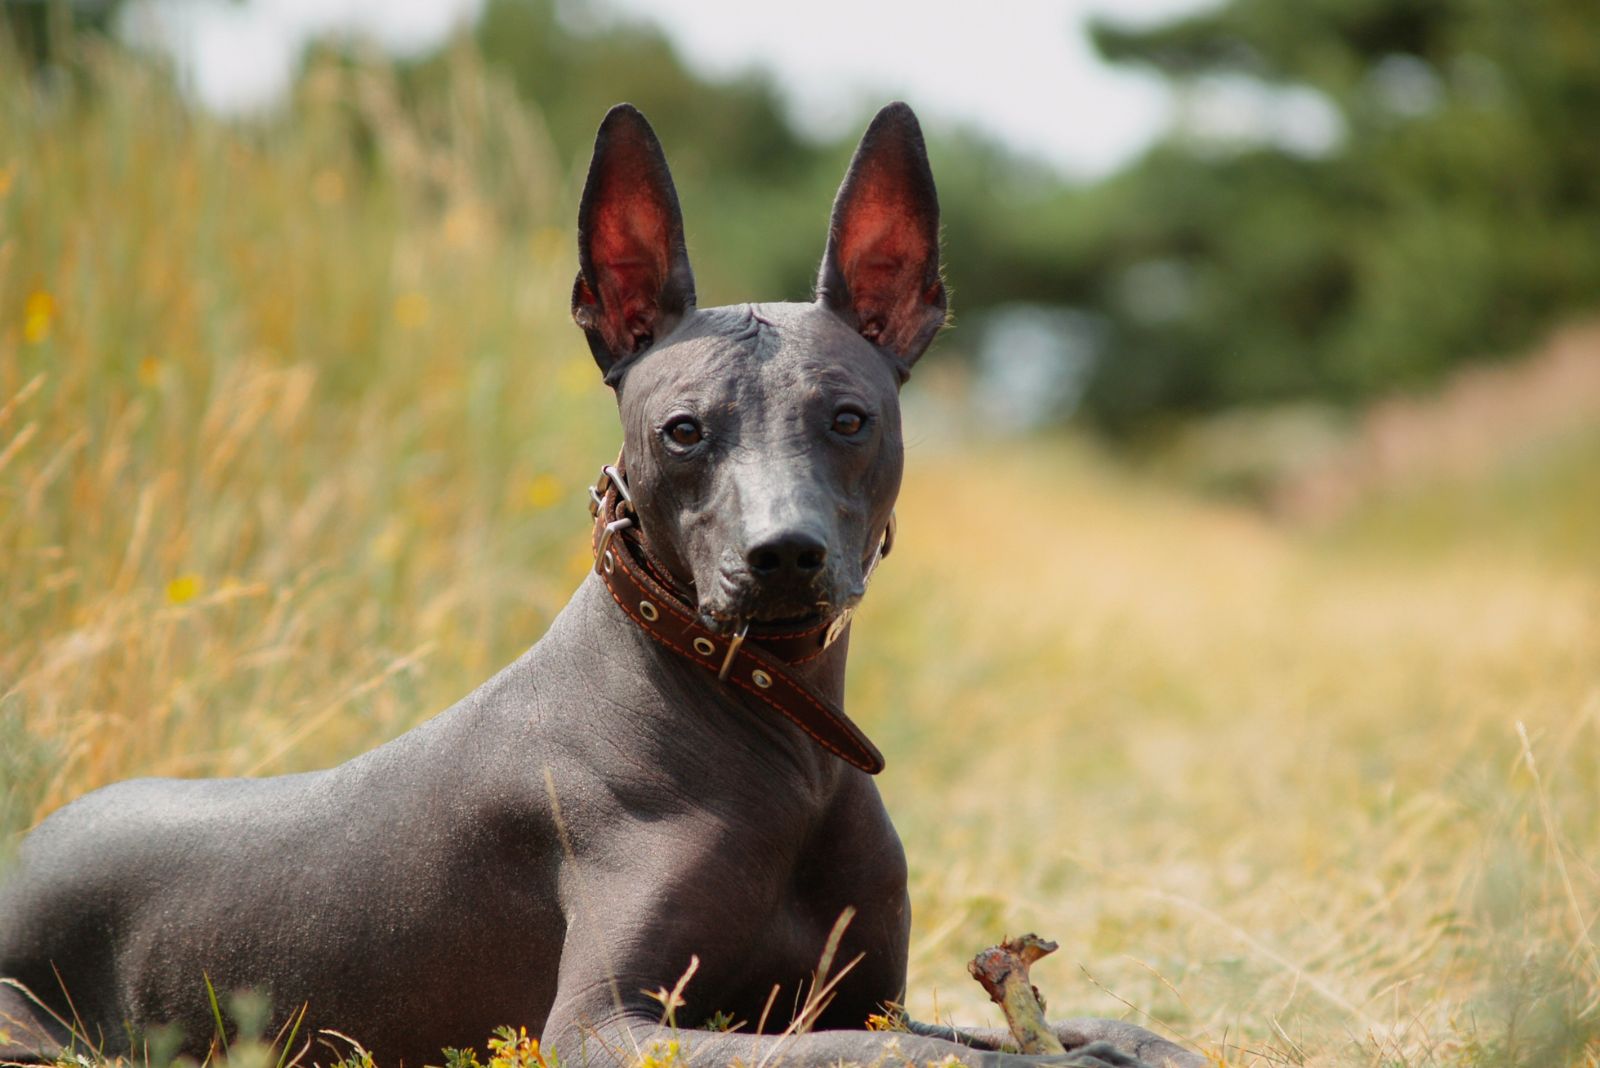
[
  {"x": 514, "y": 1049},
  {"x": 662, "y": 1055},
  {"x": 38, "y": 316},
  {"x": 184, "y": 589}
]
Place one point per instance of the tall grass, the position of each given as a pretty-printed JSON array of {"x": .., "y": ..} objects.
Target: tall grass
[
  {"x": 295, "y": 426},
  {"x": 293, "y": 434}
]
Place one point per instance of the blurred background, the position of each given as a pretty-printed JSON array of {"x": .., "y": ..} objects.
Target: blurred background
[{"x": 1275, "y": 322}]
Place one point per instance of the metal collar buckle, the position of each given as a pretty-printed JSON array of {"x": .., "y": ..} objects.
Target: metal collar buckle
[
  {"x": 602, "y": 558},
  {"x": 610, "y": 478}
]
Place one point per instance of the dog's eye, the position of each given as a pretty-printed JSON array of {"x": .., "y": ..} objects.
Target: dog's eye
[
  {"x": 848, "y": 422},
  {"x": 684, "y": 432}
]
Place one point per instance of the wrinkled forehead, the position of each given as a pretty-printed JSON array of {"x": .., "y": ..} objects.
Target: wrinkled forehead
[{"x": 724, "y": 355}]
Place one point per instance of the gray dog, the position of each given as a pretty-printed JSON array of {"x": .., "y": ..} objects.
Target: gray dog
[{"x": 666, "y": 776}]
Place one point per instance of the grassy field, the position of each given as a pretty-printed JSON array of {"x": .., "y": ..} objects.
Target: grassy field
[{"x": 294, "y": 431}]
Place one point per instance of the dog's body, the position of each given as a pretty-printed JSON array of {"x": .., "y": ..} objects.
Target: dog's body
[
  {"x": 421, "y": 895},
  {"x": 604, "y": 810}
]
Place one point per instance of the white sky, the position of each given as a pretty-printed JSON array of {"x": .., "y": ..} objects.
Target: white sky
[{"x": 1023, "y": 70}]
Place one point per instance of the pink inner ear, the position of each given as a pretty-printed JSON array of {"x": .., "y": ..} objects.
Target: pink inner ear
[
  {"x": 884, "y": 255},
  {"x": 629, "y": 245}
]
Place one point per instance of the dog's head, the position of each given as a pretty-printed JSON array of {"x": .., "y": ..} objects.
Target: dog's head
[{"x": 761, "y": 442}]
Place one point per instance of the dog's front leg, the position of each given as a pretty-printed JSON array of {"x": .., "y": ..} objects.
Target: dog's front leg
[
  {"x": 624, "y": 1039},
  {"x": 626, "y": 944},
  {"x": 1078, "y": 1035}
]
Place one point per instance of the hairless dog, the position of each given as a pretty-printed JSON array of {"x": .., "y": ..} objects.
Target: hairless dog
[{"x": 666, "y": 777}]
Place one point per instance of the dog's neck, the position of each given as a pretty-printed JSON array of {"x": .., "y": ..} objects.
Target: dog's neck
[
  {"x": 824, "y": 673},
  {"x": 595, "y": 630}
]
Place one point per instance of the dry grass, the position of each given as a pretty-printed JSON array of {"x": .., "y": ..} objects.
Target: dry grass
[
  {"x": 293, "y": 430},
  {"x": 292, "y": 418},
  {"x": 1259, "y": 785}
]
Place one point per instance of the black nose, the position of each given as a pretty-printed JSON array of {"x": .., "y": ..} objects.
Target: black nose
[{"x": 794, "y": 554}]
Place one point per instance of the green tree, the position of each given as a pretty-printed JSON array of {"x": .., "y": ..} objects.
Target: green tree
[
  {"x": 1455, "y": 218},
  {"x": 32, "y": 29}
]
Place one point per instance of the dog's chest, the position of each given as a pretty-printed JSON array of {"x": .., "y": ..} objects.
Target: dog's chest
[{"x": 843, "y": 898}]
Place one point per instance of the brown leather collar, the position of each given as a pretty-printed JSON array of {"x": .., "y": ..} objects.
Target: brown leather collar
[{"x": 753, "y": 663}]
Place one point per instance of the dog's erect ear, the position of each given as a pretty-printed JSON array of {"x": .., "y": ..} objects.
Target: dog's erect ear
[
  {"x": 881, "y": 270},
  {"x": 634, "y": 281}
]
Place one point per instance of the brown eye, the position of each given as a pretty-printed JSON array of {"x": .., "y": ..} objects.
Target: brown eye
[
  {"x": 684, "y": 432},
  {"x": 848, "y": 423}
]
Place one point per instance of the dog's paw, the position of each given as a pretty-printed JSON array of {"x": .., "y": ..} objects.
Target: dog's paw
[{"x": 1095, "y": 1055}]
